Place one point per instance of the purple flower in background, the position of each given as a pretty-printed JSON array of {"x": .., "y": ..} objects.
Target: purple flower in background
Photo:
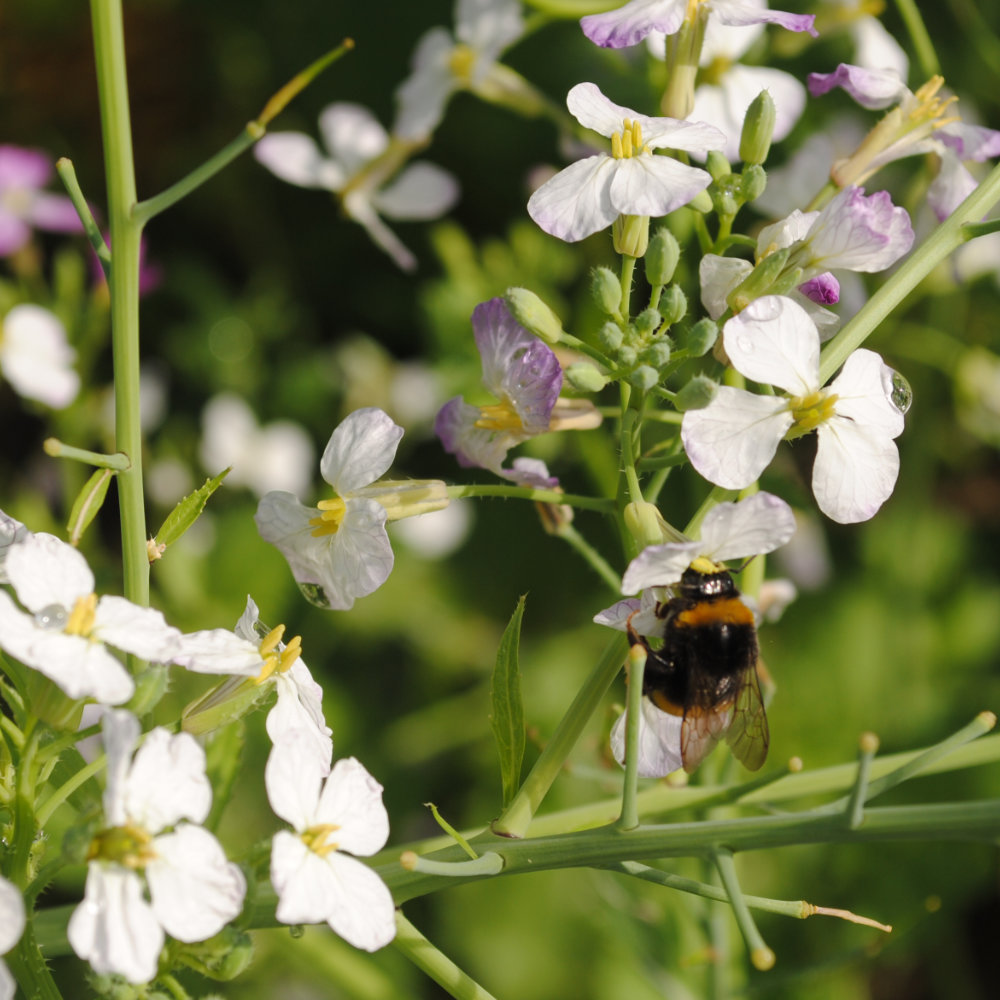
[
  {"x": 24, "y": 205},
  {"x": 630, "y": 24},
  {"x": 525, "y": 377}
]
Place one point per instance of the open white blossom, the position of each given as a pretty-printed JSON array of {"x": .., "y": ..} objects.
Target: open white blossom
[
  {"x": 67, "y": 628},
  {"x": 35, "y": 356},
  {"x": 255, "y": 652},
  {"x": 363, "y": 169},
  {"x": 146, "y": 845},
  {"x": 733, "y": 439},
  {"x": 339, "y": 550},
  {"x": 11, "y": 929},
  {"x": 333, "y": 817}
]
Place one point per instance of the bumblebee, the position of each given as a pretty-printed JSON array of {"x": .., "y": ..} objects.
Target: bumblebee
[{"x": 706, "y": 669}]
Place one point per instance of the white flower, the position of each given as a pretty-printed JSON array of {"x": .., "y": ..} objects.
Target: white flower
[
  {"x": 732, "y": 440},
  {"x": 659, "y": 740},
  {"x": 64, "y": 635},
  {"x": 590, "y": 194},
  {"x": 339, "y": 550},
  {"x": 253, "y": 651},
  {"x": 11, "y": 929},
  {"x": 12, "y": 532},
  {"x": 35, "y": 356},
  {"x": 313, "y": 877},
  {"x": 753, "y": 526},
  {"x": 277, "y": 456},
  {"x": 443, "y": 64},
  {"x": 359, "y": 169},
  {"x": 193, "y": 890}
]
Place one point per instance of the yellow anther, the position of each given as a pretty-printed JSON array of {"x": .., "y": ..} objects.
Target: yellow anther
[
  {"x": 275, "y": 660},
  {"x": 290, "y": 654},
  {"x": 626, "y": 142},
  {"x": 616, "y": 146},
  {"x": 331, "y": 514},
  {"x": 271, "y": 640},
  {"x": 461, "y": 62},
  {"x": 81, "y": 619},
  {"x": 316, "y": 838},
  {"x": 812, "y": 410},
  {"x": 499, "y": 417},
  {"x": 130, "y": 846}
]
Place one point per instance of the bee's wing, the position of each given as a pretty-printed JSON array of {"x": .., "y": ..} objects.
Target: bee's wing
[
  {"x": 706, "y": 719},
  {"x": 747, "y": 734}
]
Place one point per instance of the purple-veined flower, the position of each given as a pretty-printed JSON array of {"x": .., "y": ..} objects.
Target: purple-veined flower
[
  {"x": 154, "y": 803},
  {"x": 525, "y": 377},
  {"x": 444, "y": 63},
  {"x": 66, "y": 628},
  {"x": 733, "y": 439},
  {"x": 257, "y": 654},
  {"x": 632, "y": 22},
  {"x": 363, "y": 170},
  {"x": 339, "y": 550},
  {"x": 24, "y": 205},
  {"x": 336, "y": 815},
  {"x": 919, "y": 122},
  {"x": 11, "y": 929},
  {"x": 35, "y": 356},
  {"x": 592, "y": 193}
]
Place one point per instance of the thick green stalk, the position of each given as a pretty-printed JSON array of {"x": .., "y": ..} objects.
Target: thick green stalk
[
  {"x": 530, "y": 493},
  {"x": 112, "y": 85}
]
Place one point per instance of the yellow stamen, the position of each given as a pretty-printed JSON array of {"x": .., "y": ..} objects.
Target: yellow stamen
[
  {"x": 127, "y": 845},
  {"x": 81, "y": 619},
  {"x": 628, "y": 142},
  {"x": 499, "y": 417},
  {"x": 315, "y": 838},
  {"x": 812, "y": 410},
  {"x": 331, "y": 514},
  {"x": 277, "y": 661},
  {"x": 461, "y": 62}
]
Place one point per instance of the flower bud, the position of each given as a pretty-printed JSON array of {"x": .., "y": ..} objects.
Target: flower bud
[
  {"x": 701, "y": 202},
  {"x": 717, "y": 164},
  {"x": 723, "y": 194},
  {"x": 758, "y": 128},
  {"x": 610, "y": 337},
  {"x": 647, "y": 321},
  {"x": 753, "y": 183},
  {"x": 584, "y": 376},
  {"x": 759, "y": 281},
  {"x": 630, "y": 235},
  {"x": 700, "y": 338},
  {"x": 696, "y": 395},
  {"x": 645, "y": 523},
  {"x": 607, "y": 290},
  {"x": 534, "y": 315},
  {"x": 662, "y": 257},
  {"x": 627, "y": 356},
  {"x": 644, "y": 378},
  {"x": 658, "y": 352},
  {"x": 673, "y": 305}
]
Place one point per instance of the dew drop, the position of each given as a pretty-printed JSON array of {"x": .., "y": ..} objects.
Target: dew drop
[
  {"x": 901, "y": 394},
  {"x": 52, "y": 617},
  {"x": 315, "y": 594}
]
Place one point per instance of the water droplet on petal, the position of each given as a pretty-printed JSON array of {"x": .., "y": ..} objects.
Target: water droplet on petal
[
  {"x": 315, "y": 594},
  {"x": 52, "y": 617},
  {"x": 901, "y": 394}
]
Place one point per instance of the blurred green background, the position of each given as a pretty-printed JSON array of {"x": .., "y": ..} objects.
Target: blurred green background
[{"x": 268, "y": 292}]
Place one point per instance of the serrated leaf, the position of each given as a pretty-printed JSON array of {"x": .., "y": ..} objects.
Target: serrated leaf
[
  {"x": 188, "y": 511},
  {"x": 87, "y": 503},
  {"x": 507, "y": 709}
]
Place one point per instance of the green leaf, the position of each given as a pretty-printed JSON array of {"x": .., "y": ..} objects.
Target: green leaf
[
  {"x": 507, "y": 714},
  {"x": 187, "y": 511},
  {"x": 87, "y": 504}
]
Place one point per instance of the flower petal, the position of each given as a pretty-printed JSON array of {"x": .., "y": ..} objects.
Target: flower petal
[
  {"x": 114, "y": 927},
  {"x": 295, "y": 158},
  {"x": 871, "y": 88},
  {"x": 631, "y": 23},
  {"x": 195, "y": 891},
  {"x": 219, "y": 651},
  {"x": 718, "y": 276},
  {"x": 576, "y": 202},
  {"x": 739, "y": 12},
  {"x": 299, "y": 708},
  {"x": 659, "y": 741},
  {"x": 658, "y": 566},
  {"x": 654, "y": 185},
  {"x": 360, "y": 450},
  {"x": 455, "y": 426},
  {"x": 167, "y": 781},
  {"x": 421, "y": 191},
  {"x": 141, "y": 631},
  {"x": 293, "y": 777},
  {"x": 352, "y": 134},
  {"x": 855, "y": 470},
  {"x": 303, "y": 880},
  {"x": 45, "y": 570},
  {"x": 864, "y": 394},
  {"x": 11, "y": 915},
  {"x": 753, "y": 526},
  {"x": 773, "y": 341},
  {"x": 361, "y": 911},
  {"x": 733, "y": 439},
  {"x": 352, "y": 800},
  {"x": 36, "y": 357},
  {"x": 422, "y": 96}
]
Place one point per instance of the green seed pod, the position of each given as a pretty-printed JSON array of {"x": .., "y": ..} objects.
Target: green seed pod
[
  {"x": 662, "y": 257},
  {"x": 758, "y": 128},
  {"x": 607, "y": 290},
  {"x": 697, "y": 394},
  {"x": 534, "y": 315}
]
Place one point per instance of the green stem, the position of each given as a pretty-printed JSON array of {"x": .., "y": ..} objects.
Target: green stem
[
  {"x": 629, "y": 818},
  {"x": 922, "y": 44},
  {"x": 112, "y": 85},
  {"x": 944, "y": 240},
  {"x": 529, "y": 493},
  {"x": 435, "y": 963},
  {"x": 515, "y": 819},
  {"x": 761, "y": 956},
  {"x": 593, "y": 558},
  {"x": 67, "y": 174},
  {"x": 30, "y": 969},
  {"x": 64, "y": 791},
  {"x": 855, "y": 811},
  {"x": 628, "y": 267},
  {"x": 54, "y": 447}
]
